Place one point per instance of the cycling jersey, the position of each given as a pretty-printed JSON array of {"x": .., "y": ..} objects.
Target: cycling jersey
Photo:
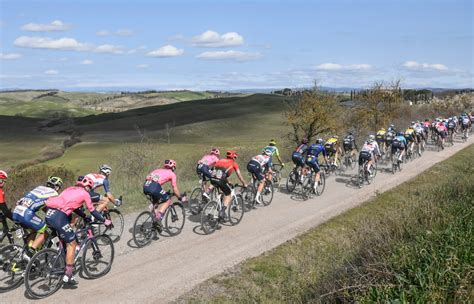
[
  {"x": 99, "y": 180},
  {"x": 36, "y": 198},
  {"x": 71, "y": 199},
  {"x": 261, "y": 159},
  {"x": 162, "y": 176},
  {"x": 465, "y": 121},
  {"x": 257, "y": 164},
  {"x": 302, "y": 149},
  {"x": 349, "y": 143},
  {"x": 451, "y": 124},
  {"x": 372, "y": 148},
  {"x": 380, "y": 136},
  {"x": 316, "y": 149},
  {"x": 225, "y": 167},
  {"x": 2, "y": 196},
  {"x": 330, "y": 145},
  {"x": 209, "y": 160},
  {"x": 274, "y": 150},
  {"x": 418, "y": 128}
]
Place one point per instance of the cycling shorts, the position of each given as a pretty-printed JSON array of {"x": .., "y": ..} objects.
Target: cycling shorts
[
  {"x": 60, "y": 222},
  {"x": 312, "y": 161},
  {"x": 156, "y": 192},
  {"x": 330, "y": 149},
  {"x": 222, "y": 184},
  {"x": 28, "y": 218},
  {"x": 255, "y": 169},
  {"x": 203, "y": 172},
  {"x": 348, "y": 147},
  {"x": 95, "y": 197},
  {"x": 364, "y": 156},
  {"x": 396, "y": 145},
  {"x": 297, "y": 159}
]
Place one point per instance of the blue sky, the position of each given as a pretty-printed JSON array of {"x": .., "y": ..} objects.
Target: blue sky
[{"x": 229, "y": 45}]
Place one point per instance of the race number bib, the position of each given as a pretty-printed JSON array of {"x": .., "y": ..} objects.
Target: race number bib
[
  {"x": 20, "y": 210},
  {"x": 25, "y": 201}
]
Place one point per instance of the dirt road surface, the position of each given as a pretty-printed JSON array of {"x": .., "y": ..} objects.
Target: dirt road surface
[{"x": 170, "y": 267}]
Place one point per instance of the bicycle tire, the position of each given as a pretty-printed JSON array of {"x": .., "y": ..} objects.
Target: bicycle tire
[
  {"x": 306, "y": 187},
  {"x": 93, "y": 256},
  {"x": 236, "y": 211},
  {"x": 48, "y": 265},
  {"x": 10, "y": 256},
  {"x": 118, "y": 222},
  {"x": 321, "y": 185},
  {"x": 267, "y": 193},
  {"x": 210, "y": 217},
  {"x": 360, "y": 176},
  {"x": 248, "y": 196},
  {"x": 196, "y": 201},
  {"x": 291, "y": 181},
  {"x": 143, "y": 225},
  {"x": 175, "y": 214}
]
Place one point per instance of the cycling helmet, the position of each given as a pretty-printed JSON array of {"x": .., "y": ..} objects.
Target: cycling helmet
[
  {"x": 272, "y": 142},
  {"x": 106, "y": 169},
  {"x": 319, "y": 141},
  {"x": 382, "y": 129},
  {"x": 3, "y": 175},
  {"x": 85, "y": 182},
  {"x": 350, "y": 133},
  {"x": 231, "y": 154},
  {"x": 215, "y": 151},
  {"x": 54, "y": 182},
  {"x": 170, "y": 164},
  {"x": 412, "y": 123},
  {"x": 336, "y": 137},
  {"x": 267, "y": 152},
  {"x": 304, "y": 141},
  {"x": 371, "y": 138}
]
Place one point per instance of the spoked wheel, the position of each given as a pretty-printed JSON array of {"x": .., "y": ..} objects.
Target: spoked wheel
[
  {"x": 291, "y": 182},
  {"x": 360, "y": 176},
  {"x": 307, "y": 187},
  {"x": 44, "y": 273},
  {"x": 321, "y": 184},
  {"x": 196, "y": 201},
  {"x": 235, "y": 212},
  {"x": 370, "y": 177},
  {"x": 12, "y": 267},
  {"x": 98, "y": 256},
  {"x": 116, "y": 230},
  {"x": 248, "y": 196},
  {"x": 175, "y": 216},
  {"x": 267, "y": 193},
  {"x": 353, "y": 161},
  {"x": 144, "y": 229},
  {"x": 210, "y": 217}
]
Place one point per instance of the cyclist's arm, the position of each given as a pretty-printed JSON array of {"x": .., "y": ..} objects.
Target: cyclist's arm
[
  {"x": 239, "y": 175},
  {"x": 174, "y": 185},
  {"x": 108, "y": 194},
  {"x": 90, "y": 207}
]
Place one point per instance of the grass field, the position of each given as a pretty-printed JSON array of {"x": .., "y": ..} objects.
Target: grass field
[
  {"x": 413, "y": 244},
  {"x": 43, "y": 109}
]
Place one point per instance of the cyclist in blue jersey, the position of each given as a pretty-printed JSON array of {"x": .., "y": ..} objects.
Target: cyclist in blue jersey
[
  {"x": 312, "y": 159},
  {"x": 299, "y": 155},
  {"x": 27, "y": 206},
  {"x": 399, "y": 143},
  {"x": 273, "y": 148}
]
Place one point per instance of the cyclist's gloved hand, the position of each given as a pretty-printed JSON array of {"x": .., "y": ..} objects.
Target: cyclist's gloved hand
[
  {"x": 183, "y": 199},
  {"x": 118, "y": 202},
  {"x": 87, "y": 220},
  {"x": 107, "y": 223}
]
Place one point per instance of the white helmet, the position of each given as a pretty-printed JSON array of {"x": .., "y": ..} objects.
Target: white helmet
[{"x": 106, "y": 169}]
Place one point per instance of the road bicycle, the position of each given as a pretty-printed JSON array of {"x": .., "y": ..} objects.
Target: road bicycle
[
  {"x": 45, "y": 271},
  {"x": 276, "y": 174},
  {"x": 6, "y": 233},
  {"x": 308, "y": 186},
  {"x": 396, "y": 162},
  {"x": 334, "y": 166},
  {"x": 294, "y": 178},
  {"x": 349, "y": 161},
  {"x": 147, "y": 226},
  {"x": 364, "y": 175},
  {"x": 197, "y": 199},
  {"x": 210, "y": 219},
  {"x": 249, "y": 194}
]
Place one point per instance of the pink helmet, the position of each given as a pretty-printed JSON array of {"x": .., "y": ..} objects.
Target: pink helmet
[
  {"x": 215, "y": 151},
  {"x": 3, "y": 175},
  {"x": 170, "y": 164},
  {"x": 85, "y": 182}
]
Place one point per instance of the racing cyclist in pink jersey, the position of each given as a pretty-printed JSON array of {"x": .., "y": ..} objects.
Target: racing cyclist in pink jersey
[
  {"x": 101, "y": 179},
  {"x": 58, "y": 217},
  {"x": 153, "y": 187},
  {"x": 203, "y": 169}
]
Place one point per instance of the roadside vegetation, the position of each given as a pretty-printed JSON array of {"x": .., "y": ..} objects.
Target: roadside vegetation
[{"x": 413, "y": 244}]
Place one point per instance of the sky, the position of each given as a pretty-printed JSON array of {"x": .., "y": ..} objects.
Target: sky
[{"x": 234, "y": 45}]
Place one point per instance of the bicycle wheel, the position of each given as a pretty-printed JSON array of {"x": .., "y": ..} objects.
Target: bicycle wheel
[
  {"x": 291, "y": 182},
  {"x": 98, "y": 256},
  {"x": 361, "y": 176},
  {"x": 235, "y": 212},
  {"x": 321, "y": 184},
  {"x": 175, "y": 216},
  {"x": 196, "y": 201},
  {"x": 267, "y": 193},
  {"x": 114, "y": 232},
  {"x": 210, "y": 217},
  {"x": 44, "y": 273},
  {"x": 307, "y": 187},
  {"x": 143, "y": 229},
  {"x": 337, "y": 166},
  {"x": 12, "y": 267},
  {"x": 248, "y": 196}
]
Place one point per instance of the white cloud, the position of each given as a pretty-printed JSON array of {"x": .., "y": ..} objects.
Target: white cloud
[
  {"x": 103, "y": 33},
  {"x": 51, "y": 72},
  {"x": 143, "y": 66},
  {"x": 49, "y": 43},
  {"x": 166, "y": 51},
  {"x": 413, "y": 65},
  {"x": 124, "y": 32},
  {"x": 214, "y": 39},
  {"x": 109, "y": 48},
  {"x": 87, "y": 61},
  {"x": 339, "y": 67},
  {"x": 140, "y": 48},
  {"x": 229, "y": 55},
  {"x": 55, "y": 26},
  {"x": 9, "y": 56}
]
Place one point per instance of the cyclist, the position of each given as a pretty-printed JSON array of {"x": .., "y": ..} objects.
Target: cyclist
[
  {"x": 426, "y": 128},
  {"x": 442, "y": 131},
  {"x": 451, "y": 126},
  {"x": 389, "y": 136},
  {"x": 399, "y": 143},
  {"x": 224, "y": 168},
  {"x": 333, "y": 148},
  {"x": 410, "y": 137},
  {"x": 419, "y": 136},
  {"x": 3, "y": 205},
  {"x": 380, "y": 137},
  {"x": 101, "y": 179},
  {"x": 369, "y": 151},
  {"x": 349, "y": 144},
  {"x": 153, "y": 187},
  {"x": 203, "y": 169},
  {"x": 273, "y": 148},
  {"x": 257, "y": 167},
  {"x": 312, "y": 159},
  {"x": 58, "y": 217},
  {"x": 298, "y": 157},
  {"x": 465, "y": 122},
  {"x": 28, "y": 205}
]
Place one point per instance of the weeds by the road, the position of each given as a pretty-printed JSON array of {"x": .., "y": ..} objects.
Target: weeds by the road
[{"x": 412, "y": 244}]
